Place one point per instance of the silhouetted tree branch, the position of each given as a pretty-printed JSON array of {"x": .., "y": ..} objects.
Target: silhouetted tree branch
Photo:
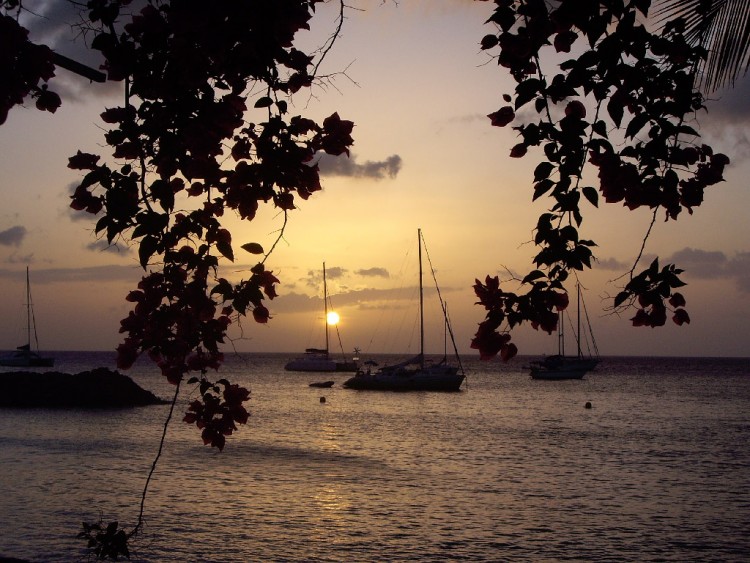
[{"x": 638, "y": 88}]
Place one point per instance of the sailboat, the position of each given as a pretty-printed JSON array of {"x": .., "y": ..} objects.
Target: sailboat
[
  {"x": 319, "y": 359},
  {"x": 560, "y": 366},
  {"x": 415, "y": 374},
  {"x": 24, "y": 356}
]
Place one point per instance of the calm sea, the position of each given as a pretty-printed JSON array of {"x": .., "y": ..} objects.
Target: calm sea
[{"x": 510, "y": 469}]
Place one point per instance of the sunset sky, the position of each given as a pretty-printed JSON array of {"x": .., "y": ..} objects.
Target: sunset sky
[{"x": 412, "y": 78}]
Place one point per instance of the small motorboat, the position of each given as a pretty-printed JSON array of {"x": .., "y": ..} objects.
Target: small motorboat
[{"x": 322, "y": 384}]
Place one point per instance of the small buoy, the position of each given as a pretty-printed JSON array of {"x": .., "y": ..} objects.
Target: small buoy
[
  {"x": 322, "y": 399},
  {"x": 588, "y": 404}
]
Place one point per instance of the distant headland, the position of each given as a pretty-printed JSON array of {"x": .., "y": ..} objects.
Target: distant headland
[{"x": 98, "y": 388}]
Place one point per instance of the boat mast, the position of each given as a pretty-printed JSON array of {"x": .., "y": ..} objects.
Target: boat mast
[
  {"x": 578, "y": 305},
  {"x": 325, "y": 304},
  {"x": 421, "y": 303},
  {"x": 28, "y": 309}
]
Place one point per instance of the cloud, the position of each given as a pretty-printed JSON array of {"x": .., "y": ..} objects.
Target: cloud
[
  {"x": 335, "y": 272},
  {"x": 347, "y": 166},
  {"x": 21, "y": 259},
  {"x": 702, "y": 264},
  {"x": 111, "y": 273},
  {"x": 103, "y": 246},
  {"x": 714, "y": 264},
  {"x": 13, "y": 236},
  {"x": 739, "y": 268},
  {"x": 697, "y": 264},
  {"x": 726, "y": 127},
  {"x": 315, "y": 277},
  {"x": 613, "y": 264},
  {"x": 368, "y": 298},
  {"x": 730, "y": 104},
  {"x": 373, "y": 272}
]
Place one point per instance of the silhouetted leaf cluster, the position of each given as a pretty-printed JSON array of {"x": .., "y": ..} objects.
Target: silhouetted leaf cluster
[
  {"x": 204, "y": 130},
  {"x": 25, "y": 67},
  {"x": 623, "y": 104},
  {"x": 106, "y": 541}
]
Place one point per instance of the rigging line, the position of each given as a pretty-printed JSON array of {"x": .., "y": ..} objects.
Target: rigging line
[
  {"x": 582, "y": 303},
  {"x": 450, "y": 330},
  {"x": 386, "y": 325},
  {"x": 591, "y": 332},
  {"x": 336, "y": 326},
  {"x": 442, "y": 303},
  {"x": 31, "y": 309}
]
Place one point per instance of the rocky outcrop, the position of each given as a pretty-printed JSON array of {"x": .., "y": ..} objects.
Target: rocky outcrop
[{"x": 98, "y": 388}]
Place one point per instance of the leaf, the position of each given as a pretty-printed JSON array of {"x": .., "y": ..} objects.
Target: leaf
[
  {"x": 690, "y": 131},
  {"x": 264, "y": 102},
  {"x": 489, "y": 41},
  {"x": 543, "y": 170},
  {"x": 600, "y": 128},
  {"x": 636, "y": 124},
  {"x": 83, "y": 161},
  {"x": 502, "y": 117},
  {"x": 569, "y": 232},
  {"x": 527, "y": 91},
  {"x": 541, "y": 188},
  {"x": 225, "y": 248},
  {"x": 146, "y": 250},
  {"x": 533, "y": 276},
  {"x": 518, "y": 151},
  {"x": 592, "y": 195},
  {"x": 508, "y": 352},
  {"x": 621, "y": 298},
  {"x": 615, "y": 110},
  {"x": 253, "y": 248},
  {"x": 681, "y": 317}
]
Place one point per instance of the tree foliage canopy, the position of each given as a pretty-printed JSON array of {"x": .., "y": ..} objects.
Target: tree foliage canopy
[
  {"x": 204, "y": 130},
  {"x": 614, "y": 123}
]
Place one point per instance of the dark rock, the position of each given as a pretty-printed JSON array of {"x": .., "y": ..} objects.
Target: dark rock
[{"x": 98, "y": 388}]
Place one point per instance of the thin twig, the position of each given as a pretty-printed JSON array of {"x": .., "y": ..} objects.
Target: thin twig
[{"x": 156, "y": 460}]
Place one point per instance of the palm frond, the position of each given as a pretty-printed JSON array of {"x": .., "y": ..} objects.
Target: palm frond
[{"x": 724, "y": 31}]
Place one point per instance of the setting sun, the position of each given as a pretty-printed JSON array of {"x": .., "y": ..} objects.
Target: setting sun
[{"x": 332, "y": 318}]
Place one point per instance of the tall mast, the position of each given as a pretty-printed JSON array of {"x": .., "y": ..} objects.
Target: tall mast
[
  {"x": 28, "y": 309},
  {"x": 578, "y": 335},
  {"x": 325, "y": 304},
  {"x": 421, "y": 302}
]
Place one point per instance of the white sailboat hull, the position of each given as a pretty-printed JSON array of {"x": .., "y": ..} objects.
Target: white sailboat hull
[
  {"x": 318, "y": 359},
  {"x": 319, "y": 364}
]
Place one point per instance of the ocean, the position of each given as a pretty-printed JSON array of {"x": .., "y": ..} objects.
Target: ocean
[{"x": 509, "y": 469}]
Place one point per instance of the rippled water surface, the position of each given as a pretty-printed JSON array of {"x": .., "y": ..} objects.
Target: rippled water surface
[{"x": 508, "y": 469}]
